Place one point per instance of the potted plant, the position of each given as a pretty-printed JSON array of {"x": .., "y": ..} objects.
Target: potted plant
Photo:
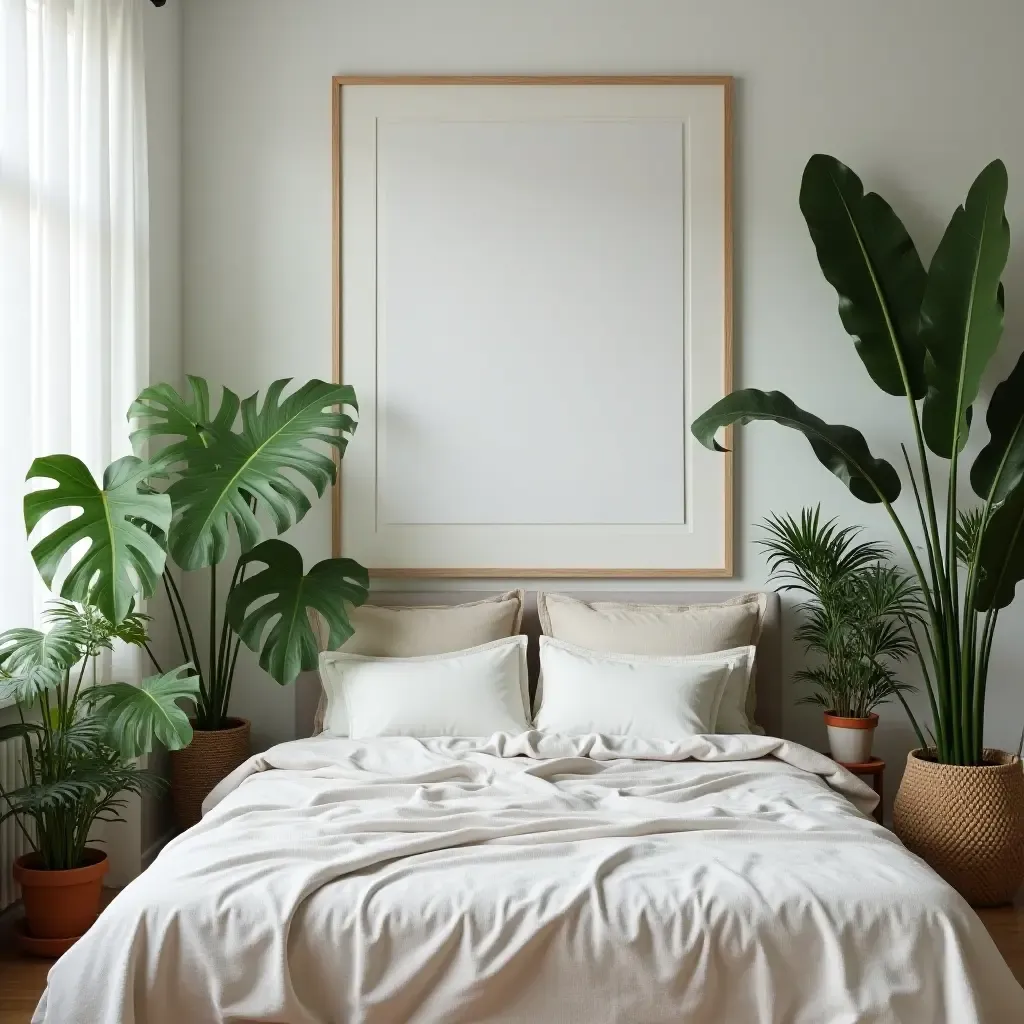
[
  {"x": 225, "y": 472},
  {"x": 857, "y": 623},
  {"x": 926, "y": 338},
  {"x": 80, "y": 741}
]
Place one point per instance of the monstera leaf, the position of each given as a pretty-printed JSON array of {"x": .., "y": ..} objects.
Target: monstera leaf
[
  {"x": 161, "y": 412},
  {"x": 32, "y": 662},
  {"x": 290, "y": 646},
  {"x": 838, "y": 448},
  {"x": 962, "y": 312},
  {"x": 139, "y": 717},
  {"x": 869, "y": 258},
  {"x": 224, "y": 480},
  {"x": 122, "y": 558}
]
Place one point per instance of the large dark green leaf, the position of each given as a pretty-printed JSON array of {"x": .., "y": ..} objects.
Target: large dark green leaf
[
  {"x": 282, "y": 597},
  {"x": 32, "y": 662},
  {"x": 279, "y": 440},
  {"x": 139, "y": 717},
  {"x": 121, "y": 559},
  {"x": 1005, "y": 448},
  {"x": 869, "y": 258},
  {"x": 1001, "y": 557},
  {"x": 183, "y": 424},
  {"x": 840, "y": 449},
  {"x": 962, "y": 312}
]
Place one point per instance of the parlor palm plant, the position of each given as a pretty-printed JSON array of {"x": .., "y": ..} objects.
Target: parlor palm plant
[
  {"x": 80, "y": 737},
  {"x": 80, "y": 743},
  {"x": 857, "y": 624}
]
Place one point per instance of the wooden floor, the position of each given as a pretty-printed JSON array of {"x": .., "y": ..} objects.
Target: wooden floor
[{"x": 23, "y": 980}]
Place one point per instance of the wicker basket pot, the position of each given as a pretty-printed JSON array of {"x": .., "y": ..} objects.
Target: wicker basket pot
[
  {"x": 967, "y": 822},
  {"x": 212, "y": 755}
]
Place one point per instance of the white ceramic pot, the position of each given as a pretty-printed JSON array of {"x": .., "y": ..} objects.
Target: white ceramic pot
[{"x": 850, "y": 739}]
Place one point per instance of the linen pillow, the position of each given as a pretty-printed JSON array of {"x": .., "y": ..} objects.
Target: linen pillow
[
  {"x": 477, "y": 692},
  {"x": 663, "y": 629},
  {"x": 657, "y": 698},
  {"x": 412, "y": 631}
]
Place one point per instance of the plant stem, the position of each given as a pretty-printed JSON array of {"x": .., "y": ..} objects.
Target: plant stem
[
  {"x": 191, "y": 652},
  {"x": 185, "y": 653},
  {"x": 152, "y": 658},
  {"x": 214, "y": 676}
]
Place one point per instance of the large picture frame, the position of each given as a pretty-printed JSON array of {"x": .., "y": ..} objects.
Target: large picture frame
[{"x": 533, "y": 298}]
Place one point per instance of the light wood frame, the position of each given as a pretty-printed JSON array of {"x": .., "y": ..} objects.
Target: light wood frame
[{"x": 338, "y": 84}]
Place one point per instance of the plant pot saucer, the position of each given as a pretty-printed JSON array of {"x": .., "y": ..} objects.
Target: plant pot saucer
[{"x": 50, "y": 949}]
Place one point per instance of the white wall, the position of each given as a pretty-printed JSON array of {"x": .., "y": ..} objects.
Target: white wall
[{"x": 916, "y": 96}]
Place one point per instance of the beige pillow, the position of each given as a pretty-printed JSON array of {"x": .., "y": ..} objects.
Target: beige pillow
[
  {"x": 417, "y": 630},
  {"x": 661, "y": 629}
]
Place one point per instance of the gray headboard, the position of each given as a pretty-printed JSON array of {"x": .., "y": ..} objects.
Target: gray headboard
[{"x": 769, "y": 648}]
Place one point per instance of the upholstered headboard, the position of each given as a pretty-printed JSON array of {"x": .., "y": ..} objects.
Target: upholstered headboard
[{"x": 769, "y": 648}]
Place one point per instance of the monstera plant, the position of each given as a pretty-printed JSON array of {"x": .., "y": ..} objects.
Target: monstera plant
[
  {"x": 224, "y": 471},
  {"x": 925, "y": 337},
  {"x": 207, "y": 486}
]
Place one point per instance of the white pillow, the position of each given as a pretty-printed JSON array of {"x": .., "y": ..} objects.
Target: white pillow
[
  {"x": 661, "y": 629},
  {"x": 394, "y": 631},
  {"x": 476, "y": 692},
  {"x": 665, "y": 698}
]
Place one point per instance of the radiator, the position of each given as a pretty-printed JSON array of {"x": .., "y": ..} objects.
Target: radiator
[{"x": 12, "y": 840}]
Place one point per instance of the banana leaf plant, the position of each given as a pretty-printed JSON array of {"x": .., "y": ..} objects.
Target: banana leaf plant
[
  {"x": 80, "y": 738},
  {"x": 207, "y": 486},
  {"x": 926, "y": 337}
]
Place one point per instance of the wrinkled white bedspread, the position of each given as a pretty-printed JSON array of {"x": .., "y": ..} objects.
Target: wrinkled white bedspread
[{"x": 726, "y": 880}]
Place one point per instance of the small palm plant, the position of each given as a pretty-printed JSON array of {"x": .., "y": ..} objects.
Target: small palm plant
[
  {"x": 860, "y": 614},
  {"x": 81, "y": 738}
]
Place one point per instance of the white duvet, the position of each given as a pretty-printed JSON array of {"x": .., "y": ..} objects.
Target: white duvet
[{"x": 724, "y": 879}]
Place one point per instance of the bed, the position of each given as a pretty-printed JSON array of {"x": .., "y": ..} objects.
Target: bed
[{"x": 538, "y": 878}]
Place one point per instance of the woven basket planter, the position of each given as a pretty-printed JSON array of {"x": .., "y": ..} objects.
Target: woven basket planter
[
  {"x": 212, "y": 755},
  {"x": 966, "y": 822}
]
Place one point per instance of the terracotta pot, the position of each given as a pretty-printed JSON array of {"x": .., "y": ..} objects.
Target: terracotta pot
[
  {"x": 212, "y": 755},
  {"x": 967, "y": 822},
  {"x": 59, "y": 905},
  {"x": 850, "y": 739}
]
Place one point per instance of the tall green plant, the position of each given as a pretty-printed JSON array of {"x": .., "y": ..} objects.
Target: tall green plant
[
  {"x": 206, "y": 487},
  {"x": 81, "y": 738},
  {"x": 925, "y": 337},
  {"x": 858, "y": 620}
]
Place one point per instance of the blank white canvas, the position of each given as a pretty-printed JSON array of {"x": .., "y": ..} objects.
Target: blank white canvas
[
  {"x": 529, "y": 316},
  {"x": 533, "y": 310}
]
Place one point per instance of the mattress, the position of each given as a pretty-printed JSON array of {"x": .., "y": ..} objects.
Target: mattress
[{"x": 536, "y": 879}]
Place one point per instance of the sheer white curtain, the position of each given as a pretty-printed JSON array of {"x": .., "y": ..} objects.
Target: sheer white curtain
[{"x": 74, "y": 249}]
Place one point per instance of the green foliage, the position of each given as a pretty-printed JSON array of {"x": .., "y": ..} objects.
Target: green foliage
[
  {"x": 224, "y": 474},
  {"x": 78, "y": 754},
  {"x": 137, "y": 718},
  {"x": 122, "y": 558},
  {"x": 225, "y": 470},
  {"x": 205, "y": 481},
  {"x": 857, "y": 621},
  {"x": 281, "y": 597},
  {"x": 928, "y": 339},
  {"x": 962, "y": 310},
  {"x": 866, "y": 254},
  {"x": 838, "y": 448}
]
